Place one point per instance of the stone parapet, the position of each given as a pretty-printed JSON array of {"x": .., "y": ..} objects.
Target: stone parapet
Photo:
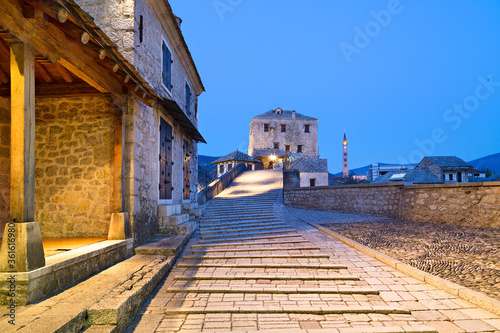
[{"x": 473, "y": 204}]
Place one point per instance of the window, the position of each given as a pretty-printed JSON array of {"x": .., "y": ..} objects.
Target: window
[
  {"x": 299, "y": 149},
  {"x": 167, "y": 67},
  {"x": 266, "y": 127},
  {"x": 229, "y": 166},
  {"x": 249, "y": 166},
  {"x": 188, "y": 99},
  {"x": 276, "y": 145},
  {"x": 450, "y": 176},
  {"x": 287, "y": 148},
  {"x": 345, "y": 154},
  {"x": 307, "y": 129},
  {"x": 283, "y": 128},
  {"x": 221, "y": 169},
  {"x": 345, "y": 165},
  {"x": 312, "y": 182},
  {"x": 141, "y": 28}
]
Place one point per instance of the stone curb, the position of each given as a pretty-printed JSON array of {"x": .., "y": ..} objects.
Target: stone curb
[
  {"x": 113, "y": 314},
  {"x": 477, "y": 298}
]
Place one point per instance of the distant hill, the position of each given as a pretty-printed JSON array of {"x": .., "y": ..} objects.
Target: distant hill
[
  {"x": 205, "y": 165},
  {"x": 491, "y": 162}
]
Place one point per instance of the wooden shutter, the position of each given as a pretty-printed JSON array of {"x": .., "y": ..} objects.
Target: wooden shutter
[
  {"x": 167, "y": 67},
  {"x": 165, "y": 185},
  {"x": 188, "y": 99},
  {"x": 187, "y": 170}
]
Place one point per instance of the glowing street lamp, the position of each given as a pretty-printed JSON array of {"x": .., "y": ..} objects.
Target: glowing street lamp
[{"x": 272, "y": 157}]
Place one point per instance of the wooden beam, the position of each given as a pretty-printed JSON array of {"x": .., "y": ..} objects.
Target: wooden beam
[
  {"x": 58, "y": 90},
  {"x": 64, "y": 73},
  {"x": 4, "y": 78},
  {"x": 118, "y": 163},
  {"x": 4, "y": 50},
  {"x": 22, "y": 147},
  {"x": 51, "y": 9},
  {"x": 53, "y": 44},
  {"x": 43, "y": 72}
]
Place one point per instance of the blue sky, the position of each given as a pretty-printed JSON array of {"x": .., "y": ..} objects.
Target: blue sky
[{"x": 404, "y": 78}]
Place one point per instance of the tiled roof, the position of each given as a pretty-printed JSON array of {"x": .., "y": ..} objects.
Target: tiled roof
[
  {"x": 448, "y": 161},
  {"x": 415, "y": 176},
  {"x": 307, "y": 165},
  {"x": 283, "y": 115},
  {"x": 236, "y": 156},
  {"x": 269, "y": 152}
]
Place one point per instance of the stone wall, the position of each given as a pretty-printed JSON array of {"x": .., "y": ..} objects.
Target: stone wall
[
  {"x": 4, "y": 163},
  {"x": 221, "y": 183},
  {"x": 474, "y": 204},
  {"x": 73, "y": 160},
  {"x": 321, "y": 178},
  {"x": 293, "y": 136},
  {"x": 74, "y": 171}
]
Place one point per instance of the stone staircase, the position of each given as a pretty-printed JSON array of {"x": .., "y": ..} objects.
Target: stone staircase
[
  {"x": 180, "y": 219},
  {"x": 247, "y": 270}
]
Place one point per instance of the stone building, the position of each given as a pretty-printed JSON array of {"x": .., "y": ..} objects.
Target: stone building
[
  {"x": 449, "y": 169},
  {"x": 226, "y": 163},
  {"x": 280, "y": 138},
  {"x": 108, "y": 148}
]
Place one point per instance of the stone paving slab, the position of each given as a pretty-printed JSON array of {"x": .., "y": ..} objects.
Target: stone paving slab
[{"x": 218, "y": 293}]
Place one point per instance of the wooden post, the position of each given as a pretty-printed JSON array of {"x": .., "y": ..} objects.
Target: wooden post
[
  {"x": 119, "y": 227},
  {"x": 22, "y": 171},
  {"x": 24, "y": 241}
]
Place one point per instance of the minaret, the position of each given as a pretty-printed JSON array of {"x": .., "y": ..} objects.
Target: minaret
[{"x": 345, "y": 169}]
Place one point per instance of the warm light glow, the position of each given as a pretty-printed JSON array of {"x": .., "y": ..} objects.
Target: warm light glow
[{"x": 272, "y": 157}]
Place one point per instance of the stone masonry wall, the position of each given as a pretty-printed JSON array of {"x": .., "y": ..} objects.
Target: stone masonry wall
[
  {"x": 4, "y": 163},
  {"x": 74, "y": 175},
  {"x": 355, "y": 198},
  {"x": 321, "y": 178},
  {"x": 73, "y": 166},
  {"x": 473, "y": 204}
]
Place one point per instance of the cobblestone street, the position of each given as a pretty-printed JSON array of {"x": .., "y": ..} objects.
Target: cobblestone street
[
  {"x": 248, "y": 269},
  {"x": 465, "y": 255}
]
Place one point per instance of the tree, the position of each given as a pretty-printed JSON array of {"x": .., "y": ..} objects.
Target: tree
[{"x": 490, "y": 172}]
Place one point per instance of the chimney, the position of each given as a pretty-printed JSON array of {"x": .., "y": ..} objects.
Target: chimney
[
  {"x": 293, "y": 114},
  {"x": 179, "y": 21}
]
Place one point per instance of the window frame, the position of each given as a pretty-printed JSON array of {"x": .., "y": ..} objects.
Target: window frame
[
  {"x": 276, "y": 145},
  {"x": 266, "y": 127},
  {"x": 300, "y": 148},
  {"x": 283, "y": 128},
  {"x": 307, "y": 128},
  {"x": 187, "y": 100}
]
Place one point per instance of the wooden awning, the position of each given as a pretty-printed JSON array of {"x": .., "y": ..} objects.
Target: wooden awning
[{"x": 175, "y": 110}]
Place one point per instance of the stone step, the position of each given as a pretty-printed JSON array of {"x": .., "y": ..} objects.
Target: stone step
[
  {"x": 254, "y": 276},
  {"x": 233, "y": 222},
  {"x": 101, "y": 329},
  {"x": 163, "y": 245},
  {"x": 340, "y": 309},
  {"x": 203, "y": 227},
  {"x": 255, "y": 256},
  {"x": 262, "y": 249},
  {"x": 249, "y": 243},
  {"x": 238, "y": 231},
  {"x": 239, "y": 239},
  {"x": 186, "y": 228},
  {"x": 266, "y": 265},
  {"x": 236, "y": 235},
  {"x": 279, "y": 289},
  {"x": 232, "y": 213}
]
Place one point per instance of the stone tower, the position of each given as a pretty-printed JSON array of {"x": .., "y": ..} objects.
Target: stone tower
[{"x": 345, "y": 169}]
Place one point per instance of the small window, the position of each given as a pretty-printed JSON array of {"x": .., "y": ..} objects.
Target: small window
[
  {"x": 345, "y": 154},
  {"x": 188, "y": 99},
  {"x": 299, "y": 149},
  {"x": 450, "y": 176},
  {"x": 221, "y": 169},
  {"x": 167, "y": 67},
  {"x": 276, "y": 145},
  {"x": 287, "y": 148},
  {"x": 283, "y": 128},
  {"x": 345, "y": 165},
  {"x": 229, "y": 166},
  {"x": 312, "y": 182},
  {"x": 249, "y": 166},
  {"x": 266, "y": 127},
  {"x": 307, "y": 129}
]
